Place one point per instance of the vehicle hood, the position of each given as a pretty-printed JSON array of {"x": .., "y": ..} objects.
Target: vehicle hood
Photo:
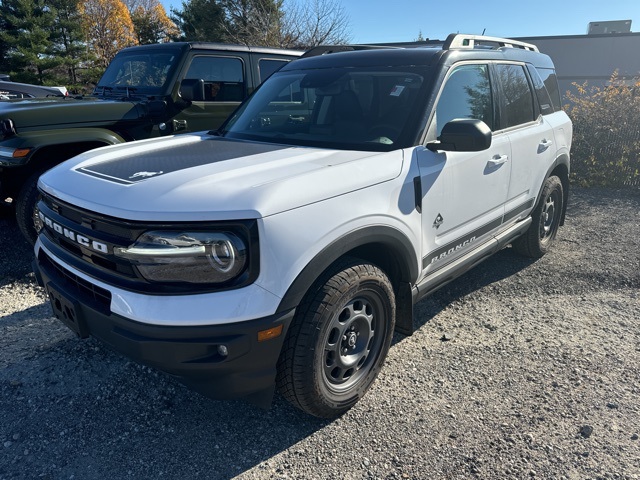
[
  {"x": 199, "y": 177},
  {"x": 34, "y": 113}
]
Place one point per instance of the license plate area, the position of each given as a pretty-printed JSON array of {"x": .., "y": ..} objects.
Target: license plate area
[{"x": 67, "y": 311}]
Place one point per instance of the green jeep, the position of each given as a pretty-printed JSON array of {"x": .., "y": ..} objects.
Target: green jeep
[{"x": 146, "y": 91}]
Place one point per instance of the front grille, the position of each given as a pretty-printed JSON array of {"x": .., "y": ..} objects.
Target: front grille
[
  {"x": 88, "y": 241},
  {"x": 98, "y": 224},
  {"x": 100, "y": 296}
]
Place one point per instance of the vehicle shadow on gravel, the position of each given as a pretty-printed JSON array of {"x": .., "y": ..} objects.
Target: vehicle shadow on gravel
[
  {"x": 134, "y": 421},
  {"x": 88, "y": 398}
]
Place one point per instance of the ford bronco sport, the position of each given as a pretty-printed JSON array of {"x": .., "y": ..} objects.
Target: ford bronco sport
[{"x": 284, "y": 248}]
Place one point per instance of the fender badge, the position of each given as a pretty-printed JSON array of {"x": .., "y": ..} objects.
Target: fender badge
[{"x": 438, "y": 221}]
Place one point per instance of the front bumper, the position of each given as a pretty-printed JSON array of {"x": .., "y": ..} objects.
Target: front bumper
[{"x": 192, "y": 354}]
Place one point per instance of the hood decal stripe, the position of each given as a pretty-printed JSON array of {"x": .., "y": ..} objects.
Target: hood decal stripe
[{"x": 129, "y": 169}]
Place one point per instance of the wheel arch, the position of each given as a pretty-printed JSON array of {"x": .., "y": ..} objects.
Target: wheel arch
[
  {"x": 560, "y": 169},
  {"x": 386, "y": 247},
  {"x": 48, "y": 156}
]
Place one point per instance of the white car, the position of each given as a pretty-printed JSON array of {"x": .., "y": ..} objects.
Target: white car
[{"x": 285, "y": 248}]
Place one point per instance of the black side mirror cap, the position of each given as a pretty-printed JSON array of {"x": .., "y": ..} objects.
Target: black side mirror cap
[
  {"x": 463, "y": 135},
  {"x": 192, "y": 89},
  {"x": 156, "y": 108}
]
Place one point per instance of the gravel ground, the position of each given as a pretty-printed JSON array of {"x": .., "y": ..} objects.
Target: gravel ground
[{"x": 519, "y": 369}]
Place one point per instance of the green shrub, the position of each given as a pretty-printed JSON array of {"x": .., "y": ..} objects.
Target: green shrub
[{"x": 606, "y": 134}]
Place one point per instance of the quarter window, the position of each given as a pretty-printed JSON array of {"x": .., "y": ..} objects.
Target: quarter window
[
  {"x": 548, "y": 76},
  {"x": 466, "y": 94},
  {"x": 269, "y": 66},
  {"x": 517, "y": 96},
  {"x": 546, "y": 107}
]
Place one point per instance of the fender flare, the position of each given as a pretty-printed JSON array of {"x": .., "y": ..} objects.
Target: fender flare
[
  {"x": 561, "y": 161},
  {"x": 38, "y": 140},
  {"x": 380, "y": 236}
]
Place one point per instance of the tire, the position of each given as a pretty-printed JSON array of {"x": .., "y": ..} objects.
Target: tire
[
  {"x": 338, "y": 340},
  {"x": 26, "y": 208},
  {"x": 546, "y": 220}
]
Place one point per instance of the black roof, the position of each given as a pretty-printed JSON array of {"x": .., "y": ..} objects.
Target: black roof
[
  {"x": 213, "y": 46},
  {"x": 455, "y": 48}
]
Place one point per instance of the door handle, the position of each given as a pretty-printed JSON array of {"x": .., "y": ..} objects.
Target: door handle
[
  {"x": 543, "y": 145},
  {"x": 497, "y": 160},
  {"x": 179, "y": 125}
]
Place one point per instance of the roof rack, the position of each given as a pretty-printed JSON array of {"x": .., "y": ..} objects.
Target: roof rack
[
  {"x": 326, "y": 49},
  {"x": 460, "y": 41}
]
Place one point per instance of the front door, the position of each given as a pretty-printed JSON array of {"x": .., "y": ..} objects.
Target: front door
[
  {"x": 464, "y": 193},
  {"x": 225, "y": 86}
]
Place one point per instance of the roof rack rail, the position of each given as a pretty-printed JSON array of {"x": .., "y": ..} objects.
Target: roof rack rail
[
  {"x": 326, "y": 49},
  {"x": 459, "y": 41}
]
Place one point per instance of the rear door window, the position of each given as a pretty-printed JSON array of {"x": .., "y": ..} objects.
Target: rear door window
[
  {"x": 268, "y": 66},
  {"x": 517, "y": 97}
]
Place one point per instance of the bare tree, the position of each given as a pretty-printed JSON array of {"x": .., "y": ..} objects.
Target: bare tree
[
  {"x": 253, "y": 22},
  {"x": 314, "y": 22}
]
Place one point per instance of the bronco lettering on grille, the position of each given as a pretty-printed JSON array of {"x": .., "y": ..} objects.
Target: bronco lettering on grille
[{"x": 73, "y": 236}]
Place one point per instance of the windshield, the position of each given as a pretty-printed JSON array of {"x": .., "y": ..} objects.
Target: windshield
[
  {"x": 138, "y": 72},
  {"x": 366, "y": 108}
]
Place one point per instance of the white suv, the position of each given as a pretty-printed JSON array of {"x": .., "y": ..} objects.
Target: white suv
[{"x": 285, "y": 248}]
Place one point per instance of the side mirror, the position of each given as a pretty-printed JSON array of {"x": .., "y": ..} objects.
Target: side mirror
[
  {"x": 157, "y": 108},
  {"x": 192, "y": 89},
  {"x": 463, "y": 135}
]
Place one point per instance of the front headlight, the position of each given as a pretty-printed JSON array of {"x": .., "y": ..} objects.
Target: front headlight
[{"x": 189, "y": 257}]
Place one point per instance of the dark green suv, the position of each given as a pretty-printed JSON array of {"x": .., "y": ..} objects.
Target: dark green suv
[{"x": 147, "y": 91}]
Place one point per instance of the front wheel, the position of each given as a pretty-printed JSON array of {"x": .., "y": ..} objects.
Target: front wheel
[
  {"x": 546, "y": 220},
  {"x": 26, "y": 208},
  {"x": 338, "y": 340}
]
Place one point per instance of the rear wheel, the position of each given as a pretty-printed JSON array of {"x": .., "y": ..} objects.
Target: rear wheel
[
  {"x": 338, "y": 340},
  {"x": 546, "y": 220}
]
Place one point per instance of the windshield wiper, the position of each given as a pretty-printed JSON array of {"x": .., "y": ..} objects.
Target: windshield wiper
[
  {"x": 103, "y": 89},
  {"x": 128, "y": 90}
]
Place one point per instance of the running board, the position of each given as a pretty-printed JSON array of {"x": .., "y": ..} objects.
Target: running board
[{"x": 440, "y": 278}]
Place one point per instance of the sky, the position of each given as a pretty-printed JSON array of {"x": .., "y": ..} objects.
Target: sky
[{"x": 379, "y": 21}]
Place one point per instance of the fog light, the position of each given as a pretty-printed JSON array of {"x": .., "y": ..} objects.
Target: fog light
[{"x": 223, "y": 351}]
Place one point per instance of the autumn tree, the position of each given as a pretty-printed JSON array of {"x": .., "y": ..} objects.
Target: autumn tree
[
  {"x": 150, "y": 21},
  {"x": 606, "y": 138},
  {"x": 108, "y": 28}
]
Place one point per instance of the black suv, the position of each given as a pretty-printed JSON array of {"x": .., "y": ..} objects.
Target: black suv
[{"x": 146, "y": 91}]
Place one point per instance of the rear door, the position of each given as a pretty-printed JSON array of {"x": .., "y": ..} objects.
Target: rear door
[
  {"x": 531, "y": 136},
  {"x": 464, "y": 193}
]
